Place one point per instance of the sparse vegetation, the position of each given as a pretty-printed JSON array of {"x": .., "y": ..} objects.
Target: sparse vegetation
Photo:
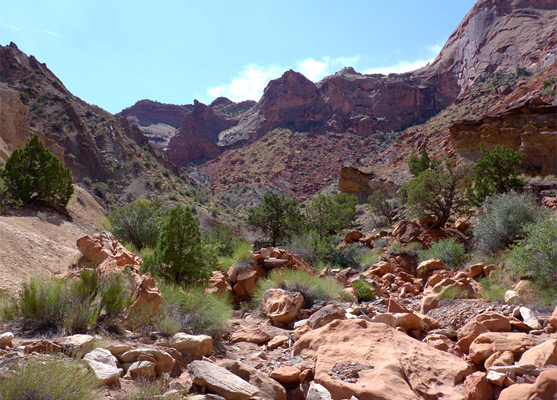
[
  {"x": 504, "y": 221},
  {"x": 364, "y": 290},
  {"x": 383, "y": 207},
  {"x": 449, "y": 251},
  {"x": 327, "y": 215},
  {"x": 312, "y": 287},
  {"x": 60, "y": 379}
]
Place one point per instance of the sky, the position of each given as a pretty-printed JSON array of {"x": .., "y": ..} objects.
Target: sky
[{"x": 112, "y": 53}]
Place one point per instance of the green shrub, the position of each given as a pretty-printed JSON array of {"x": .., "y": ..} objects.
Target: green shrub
[
  {"x": 139, "y": 222},
  {"x": 87, "y": 181},
  {"x": 147, "y": 390},
  {"x": 6, "y": 197},
  {"x": 364, "y": 290},
  {"x": 380, "y": 205},
  {"x": 494, "y": 173},
  {"x": 493, "y": 289},
  {"x": 35, "y": 176},
  {"x": 58, "y": 379},
  {"x": 100, "y": 189},
  {"x": 59, "y": 306},
  {"x": 192, "y": 310},
  {"x": 368, "y": 257},
  {"x": 449, "y": 251},
  {"x": 535, "y": 256},
  {"x": 242, "y": 253},
  {"x": 505, "y": 219},
  {"x": 312, "y": 287},
  {"x": 327, "y": 215},
  {"x": 452, "y": 293},
  {"x": 223, "y": 239},
  {"x": 180, "y": 249},
  {"x": 418, "y": 165}
]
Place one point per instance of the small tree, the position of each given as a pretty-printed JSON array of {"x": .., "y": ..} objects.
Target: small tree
[
  {"x": 139, "y": 222},
  {"x": 494, "y": 173},
  {"x": 380, "y": 205},
  {"x": 180, "y": 248},
  {"x": 418, "y": 165},
  {"x": 438, "y": 191},
  {"x": 278, "y": 217},
  {"x": 35, "y": 176},
  {"x": 327, "y": 215}
]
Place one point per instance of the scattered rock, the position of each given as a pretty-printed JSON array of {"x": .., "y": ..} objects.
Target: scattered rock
[
  {"x": 511, "y": 297},
  {"x": 475, "y": 271},
  {"x": 543, "y": 388},
  {"x": 42, "y": 346},
  {"x": 499, "y": 358},
  {"x": 496, "y": 378},
  {"x": 6, "y": 340},
  {"x": 282, "y": 307},
  {"x": 286, "y": 375},
  {"x": 486, "y": 322},
  {"x": 141, "y": 369},
  {"x": 146, "y": 294},
  {"x": 104, "y": 365},
  {"x": 198, "y": 345},
  {"x": 477, "y": 387},
  {"x": 220, "y": 381},
  {"x": 529, "y": 318},
  {"x": 268, "y": 388},
  {"x": 542, "y": 355},
  {"x": 77, "y": 344},
  {"x": 277, "y": 341},
  {"x": 318, "y": 392},
  {"x": 325, "y": 315},
  {"x": 490, "y": 342},
  {"x": 164, "y": 361},
  {"x": 251, "y": 334}
]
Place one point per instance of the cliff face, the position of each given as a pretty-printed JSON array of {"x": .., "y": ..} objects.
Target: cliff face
[
  {"x": 530, "y": 129},
  {"x": 14, "y": 122}
]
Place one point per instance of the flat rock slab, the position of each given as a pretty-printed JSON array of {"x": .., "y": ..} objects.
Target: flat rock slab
[{"x": 220, "y": 381}]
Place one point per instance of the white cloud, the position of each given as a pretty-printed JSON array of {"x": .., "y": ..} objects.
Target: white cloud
[
  {"x": 12, "y": 27},
  {"x": 434, "y": 49},
  {"x": 249, "y": 84}
]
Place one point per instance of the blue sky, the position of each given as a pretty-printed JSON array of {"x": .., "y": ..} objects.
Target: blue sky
[{"x": 113, "y": 53}]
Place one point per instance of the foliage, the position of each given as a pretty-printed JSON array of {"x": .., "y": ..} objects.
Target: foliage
[
  {"x": 147, "y": 390},
  {"x": 55, "y": 305},
  {"x": 493, "y": 288},
  {"x": 368, "y": 258},
  {"x": 192, "y": 310},
  {"x": 312, "y": 287},
  {"x": 536, "y": 254},
  {"x": 242, "y": 253},
  {"x": 380, "y": 205},
  {"x": 35, "y": 176},
  {"x": 328, "y": 215},
  {"x": 180, "y": 249},
  {"x": 60, "y": 379},
  {"x": 364, "y": 290},
  {"x": 504, "y": 221},
  {"x": 449, "y": 251},
  {"x": 6, "y": 197},
  {"x": 321, "y": 250},
  {"x": 278, "y": 217},
  {"x": 223, "y": 239},
  {"x": 418, "y": 165},
  {"x": 139, "y": 222},
  {"x": 494, "y": 173},
  {"x": 438, "y": 191}
]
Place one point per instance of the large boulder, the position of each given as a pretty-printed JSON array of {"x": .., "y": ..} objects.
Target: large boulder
[
  {"x": 220, "y": 381},
  {"x": 281, "y": 306},
  {"x": 372, "y": 360},
  {"x": 542, "y": 355},
  {"x": 486, "y": 322},
  {"x": 477, "y": 387},
  {"x": 146, "y": 294}
]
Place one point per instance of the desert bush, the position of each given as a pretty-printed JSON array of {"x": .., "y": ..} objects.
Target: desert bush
[
  {"x": 418, "y": 165},
  {"x": 535, "y": 256},
  {"x": 449, "y": 251},
  {"x": 493, "y": 288},
  {"x": 327, "y": 215},
  {"x": 192, "y": 310},
  {"x": 57, "y": 379},
  {"x": 139, "y": 222},
  {"x": 496, "y": 172},
  {"x": 7, "y": 199},
  {"x": 368, "y": 257},
  {"x": 59, "y": 306},
  {"x": 439, "y": 191},
  {"x": 147, "y": 390},
  {"x": 223, "y": 239},
  {"x": 312, "y": 287},
  {"x": 380, "y": 205},
  {"x": 35, "y": 176},
  {"x": 364, "y": 290},
  {"x": 505, "y": 220}
]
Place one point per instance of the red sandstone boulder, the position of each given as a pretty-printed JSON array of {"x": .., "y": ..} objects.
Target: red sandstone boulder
[
  {"x": 544, "y": 388},
  {"x": 146, "y": 293},
  {"x": 282, "y": 307},
  {"x": 390, "y": 364},
  {"x": 477, "y": 387},
  {"x": 325, "y": 315},
  {"x": 490, "y": 342},
  {"x": 486, "y": 322}
]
